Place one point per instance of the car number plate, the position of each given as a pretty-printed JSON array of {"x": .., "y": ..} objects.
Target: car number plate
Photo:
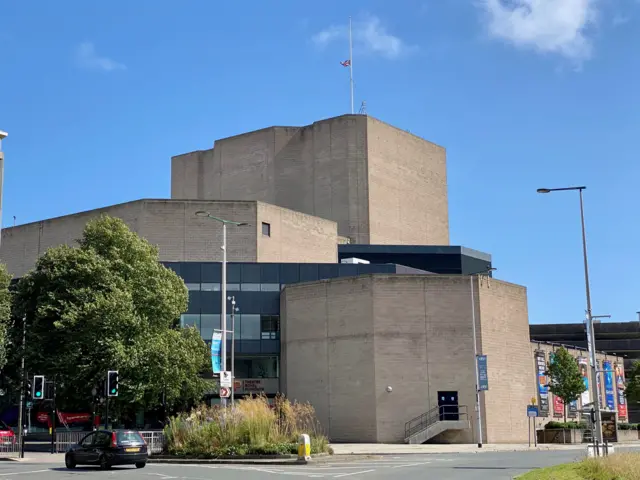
[{"x": 132, "y": 450}]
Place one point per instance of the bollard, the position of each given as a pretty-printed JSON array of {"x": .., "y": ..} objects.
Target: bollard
[{"x": 304, "y": 448}]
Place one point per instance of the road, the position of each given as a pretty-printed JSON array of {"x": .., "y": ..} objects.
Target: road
[{"x": 468, "y": 466}]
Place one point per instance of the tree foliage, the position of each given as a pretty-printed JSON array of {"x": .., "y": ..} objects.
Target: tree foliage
[
  {"x": 108, "y": 304},
  {"x": 5, "y": 313},
  {"x": 565, "y": 380},
  {"x": 632, "y": 390}
]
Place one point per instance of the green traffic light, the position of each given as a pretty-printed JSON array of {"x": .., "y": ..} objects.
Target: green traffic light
[
  {"x": 113, "y": 390},
  {"x": 38, "y": 394}
]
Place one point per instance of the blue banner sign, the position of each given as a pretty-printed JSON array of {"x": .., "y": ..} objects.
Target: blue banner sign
[
  {"x": 216, "y": 344},
  {"x": 483, "y": 375},
  {"x": 609, "y": 389}
]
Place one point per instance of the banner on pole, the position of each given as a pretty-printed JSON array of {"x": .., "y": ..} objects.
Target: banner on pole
[
  {"x": 483, "y": 375},
  {"x": 609, "y": 387},
  {"x": 543, "y": 389},
  {"x": 622, "y": 401},
  {"x": 216, "y": 345},
  {"x": 585, "y": 398}
]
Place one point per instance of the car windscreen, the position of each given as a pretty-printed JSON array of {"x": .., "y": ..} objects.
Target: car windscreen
[{"x": 129, "y": 438}]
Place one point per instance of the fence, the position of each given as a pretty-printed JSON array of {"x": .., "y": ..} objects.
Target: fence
[
  {"x": 154, "y": 439},
  {"x": 9, "y": 448}
]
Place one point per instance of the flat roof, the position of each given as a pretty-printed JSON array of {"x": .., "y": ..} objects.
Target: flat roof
[{"x": 415, "y": 250}]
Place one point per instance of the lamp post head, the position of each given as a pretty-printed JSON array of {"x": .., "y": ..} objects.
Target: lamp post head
[
  {"x": 3, "y": 135},
  {"x": 544, "y": 190},
  {"x": 202, "y": 213}
]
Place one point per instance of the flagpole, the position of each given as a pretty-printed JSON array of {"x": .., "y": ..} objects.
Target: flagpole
[{"x": 351, "y": 64}]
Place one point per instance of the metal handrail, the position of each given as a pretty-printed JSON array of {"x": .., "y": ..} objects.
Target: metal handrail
[{"x": 432, "y": 416}]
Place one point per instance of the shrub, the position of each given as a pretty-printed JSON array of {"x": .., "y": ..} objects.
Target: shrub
[
  {"x": 252, "y": 427},
  {"x": 628, "y": 426},
  {"x": 567, "y": 425}
]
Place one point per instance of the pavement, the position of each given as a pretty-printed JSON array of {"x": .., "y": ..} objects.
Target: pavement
[{"x": 465, "y": 465}]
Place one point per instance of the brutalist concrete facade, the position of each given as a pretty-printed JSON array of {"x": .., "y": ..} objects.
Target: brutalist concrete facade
[
  {"x": 344, "y": 341},
  {"x": 382, "y": 185},
  {"x": 181, "y": 236}
]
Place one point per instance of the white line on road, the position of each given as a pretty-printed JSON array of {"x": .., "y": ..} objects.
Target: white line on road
[
  {"x": 353, "y": 473},
  {"x": 409, "y": 465},
  {"x": 22, "y": 473}
]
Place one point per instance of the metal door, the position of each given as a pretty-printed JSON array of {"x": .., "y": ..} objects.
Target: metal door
[{"x": 448, "y": 405}]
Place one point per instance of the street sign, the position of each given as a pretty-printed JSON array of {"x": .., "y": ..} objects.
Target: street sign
[
  {"x": 225, "y": 392},
  {"x": 225, "y": 379},
  {"x": 532, "y": 411},
  {"x": 29, "y": 405},
  {"x": 483, "y": 376}
]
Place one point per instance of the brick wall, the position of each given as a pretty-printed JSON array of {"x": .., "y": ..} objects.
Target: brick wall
[
  {"x": 398, "y": 163},
  {"x": 548, "y": 349},
  {"x": 181, "y": 236},
  {"x": 504, "y": 337},
  {"x": 295, "y": 237},
  {"x": 326, "y": 169}
]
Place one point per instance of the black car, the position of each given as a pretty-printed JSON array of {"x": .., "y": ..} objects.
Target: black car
[{"x": 107, "y": 448}]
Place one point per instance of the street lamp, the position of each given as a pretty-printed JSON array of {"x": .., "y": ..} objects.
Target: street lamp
[
  {"x": 475, "y": 350},
  {"x": 3, "y": 135},
  {"x": 223, "y": 285},
  {"x": 591, "y": 337}
]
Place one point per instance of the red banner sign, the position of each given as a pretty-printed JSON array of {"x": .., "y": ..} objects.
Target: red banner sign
[
  {"x": 622, "y": 401},
  {"x": 558, "y": 406},
  {"x": 64, "y": 417}
]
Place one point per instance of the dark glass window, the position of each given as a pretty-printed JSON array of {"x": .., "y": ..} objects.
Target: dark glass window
[
  {"x": 250, "y": 327},
  {"x": 269, "y": 327},
  {"x": 270, "y": 287},
  {"x": 211, "y": 273},
  {"x": 250, "y": 287},
  {"x": 327, "y": 271},
  {"x": 345, "y": 270},
  {"x": 269, "y": 273},
  {"x": 289, "y": 273},
  {"x": 190, "y": 272},
  {"x": 209, "y": 323},
  {"x": 250, "y": 273},
  {"x": 266, "y": 229},
  {"x": 308, "y": 272},
  {"x": 234, "y": 273},
  {"x": 190, "y": 320}
]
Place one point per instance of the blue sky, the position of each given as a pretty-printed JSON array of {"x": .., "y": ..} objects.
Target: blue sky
[{"x": 97, "y": 96}]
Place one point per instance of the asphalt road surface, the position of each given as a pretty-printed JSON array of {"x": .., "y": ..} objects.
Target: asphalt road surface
[{"x": 441, "y": 467}]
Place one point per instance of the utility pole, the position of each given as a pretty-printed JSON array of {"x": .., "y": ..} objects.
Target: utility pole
[{"x": 23, "y": 385}]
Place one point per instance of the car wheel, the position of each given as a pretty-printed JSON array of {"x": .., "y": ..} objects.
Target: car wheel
[
  {"x": 104, "y": 463},
  {"x": 141, "y": 464},
  {"x": 69, "y": 461}
]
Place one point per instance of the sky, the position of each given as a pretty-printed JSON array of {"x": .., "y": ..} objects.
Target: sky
[{"x": 97, "y": 97}]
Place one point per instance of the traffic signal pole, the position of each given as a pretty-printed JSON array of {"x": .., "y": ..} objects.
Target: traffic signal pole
[{"x": 23, "y": 383}]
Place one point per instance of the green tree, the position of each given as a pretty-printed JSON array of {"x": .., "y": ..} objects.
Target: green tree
[
  {"x": 632, "y": 389},
  {"x": 109, "y": 304},
  {"x": 5, "y": 313},
  {"x": 565, "y": 380}
]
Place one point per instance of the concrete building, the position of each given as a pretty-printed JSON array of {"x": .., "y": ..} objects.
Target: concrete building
[
  {"x": 274, "y": 234},
  {"x": 346, "y": 340},
  {"x": 352, "y": 169}
]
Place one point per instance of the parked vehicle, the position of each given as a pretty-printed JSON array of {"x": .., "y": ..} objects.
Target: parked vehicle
[
  {"x": 107, "y": 448},
  {"x": 7, "y": 437}
]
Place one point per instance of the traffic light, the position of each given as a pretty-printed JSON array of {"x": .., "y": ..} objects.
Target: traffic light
[
  {"x": 112, "y": 383},
  {"x": 38, "y": 387},
  {"x": 28, "y": 389}
]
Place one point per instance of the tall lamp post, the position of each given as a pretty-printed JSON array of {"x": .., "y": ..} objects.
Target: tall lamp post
[
  {"x": 3, "y": 135},
  {"x": 475, "y": 350},
  {"x": 223, "y": 284},
  {"x": 591, "y": 337}
]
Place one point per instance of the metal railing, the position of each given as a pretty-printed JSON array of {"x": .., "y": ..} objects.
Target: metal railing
[
  {"x": 436, "y": 414},
  {"x": 9, "y": 448},
  {"x": 154, "y": 439}
]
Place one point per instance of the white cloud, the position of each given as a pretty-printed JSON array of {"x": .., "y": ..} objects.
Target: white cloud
[
  {"x": 87, "y": 57},
  {"x": 548, "y": 26},
  {"x": 369, "y": 35}
]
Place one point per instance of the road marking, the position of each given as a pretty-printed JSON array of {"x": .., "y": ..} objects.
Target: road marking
[
  {"x": 353, "y": 473},
  {"x": 409, "y": 465},
  {"x": 22, "y": 473}
]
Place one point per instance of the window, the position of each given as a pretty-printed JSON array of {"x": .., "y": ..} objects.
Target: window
[
  {"x": 233, "y": 287},
  {"x": 270, "y": 287},
  {"x": 210, "y": 287},
  {"x": 190, "y": 320},
  {"x": 250, "y": 327},
  {"x": 266, "y": 229},
  {"x": 193, "y": 286},
  {"x": 208, "y": 324},
  {"x": 257, "y": 367},
  {"x": 270, "y": 327},
  {"x": 250, "y": 287}
]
